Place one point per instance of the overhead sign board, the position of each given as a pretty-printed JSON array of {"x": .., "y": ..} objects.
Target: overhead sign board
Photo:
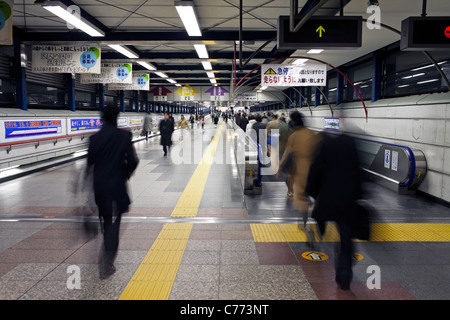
[
  {"x": 422, "y": 34},
  {"x": 110, "y": 73},
  {"x": 139, "y": 82},
  {"x": 289, "y": 75},
  {"x": 66, "y": 59},
  {"x": 321, "y": 32}
]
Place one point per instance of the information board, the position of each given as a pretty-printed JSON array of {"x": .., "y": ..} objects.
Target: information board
[
  {"x": 289, "y": 75},
  {"x": 66, "y": 59},
  {"x": 110, "y": 73}
]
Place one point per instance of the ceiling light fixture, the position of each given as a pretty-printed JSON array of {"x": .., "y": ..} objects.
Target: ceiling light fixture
[
  {"x": 207, "y": 65},
  {"x": 171, "y": 81},
  {"x": 162, "y": 75},
  {"x": 186, "y": 12},
  {"x": 300, "y": 61},
  {"x": 60, "y": 10},
  {"x": 315, "y": 51},
  {"x": 201, "y": 51},
  {"x": 147, "y": 65},
  {"x": 123, "y": 50},
  {"x": 210, "y": 74}
]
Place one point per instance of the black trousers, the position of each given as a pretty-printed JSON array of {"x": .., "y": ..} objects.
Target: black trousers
[
  {"x": 344, "y": 261},
  {"x": 165, "y": 147},
  {"x": 108, "y": 211}
]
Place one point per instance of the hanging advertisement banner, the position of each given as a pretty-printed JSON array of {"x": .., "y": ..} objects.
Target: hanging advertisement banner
[
  {"x": 290, "y": 75},
  {"x": 6, "y": 22},
  {"x": 110, "y": 73},
  {"x": 66, "y": 59},
  {"x": 140, "y": 81}
]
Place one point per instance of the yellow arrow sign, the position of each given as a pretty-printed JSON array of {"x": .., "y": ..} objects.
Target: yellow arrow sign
[{"x": 320, "y": 30}]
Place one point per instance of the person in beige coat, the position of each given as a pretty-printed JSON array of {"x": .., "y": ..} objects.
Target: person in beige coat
[
  {"x": 183, "y": 124},
  {"x": 302, "y": 143}
]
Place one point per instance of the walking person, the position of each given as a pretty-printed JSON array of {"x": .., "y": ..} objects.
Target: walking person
[
  {"x": 334, "y": 182},
  {"x": 147, "y": 126},
  {"x": 191, "y": 121},
  {"x": 301, "y": 146},
  {"x": 183, "y": 124},
  {"x": 113, "y": 159},
  {"x": 166, "y": 128}
]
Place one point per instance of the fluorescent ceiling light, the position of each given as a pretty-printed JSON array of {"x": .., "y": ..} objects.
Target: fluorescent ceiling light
[
  {"x": 123, "y": 50},
  {"x": 177, "y": 84},
  {"x": 210, "y": 74},
  {"x": 403, "y": 86},
  {"x": 213, "y": 80},
  {"x": 201, "y": 51},
  {"x": 171, "y": 80},
  {"x": 147, "y": 65},
  {"x": 207, "y": 65},
  {"x": 186, "y": 12},
  {"x": 315, "y": 51},
  {"x": 162, "y": 75},
  {"x": 428, "y": 66},
  {"x": 299, "y": 61},
  {"x": 414, "y": 75},
  {"x": 57, "y": 9},
  {"x": 427, "y": 81}
]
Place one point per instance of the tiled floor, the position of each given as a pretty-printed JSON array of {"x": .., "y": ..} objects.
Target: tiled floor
[{"x": 223, "y": 259}]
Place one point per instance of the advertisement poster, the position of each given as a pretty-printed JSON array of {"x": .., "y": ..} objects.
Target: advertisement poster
[
  {"x": 66, "y": 59},
  {"x": 6, "y": 22},
  {"x": 110, "y": 73},
  {"x": 140, "y": 81}
]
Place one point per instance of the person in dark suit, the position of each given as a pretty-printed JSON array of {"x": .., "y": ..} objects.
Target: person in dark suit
[
  {"x": 112, "y": 156},
  {"x": 334, "y": 181},
  {"x": 166, "y": 128}
]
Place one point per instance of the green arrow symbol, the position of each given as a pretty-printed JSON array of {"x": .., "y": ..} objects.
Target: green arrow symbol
[{"x": 320, "y": 29}]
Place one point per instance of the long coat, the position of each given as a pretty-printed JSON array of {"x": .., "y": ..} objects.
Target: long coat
[
  {"x": 112, "y": 155},
  {"x": 302, "y": 142},
  {"x": 166, "y": 128},
  {"x": 334, "y": 178}
]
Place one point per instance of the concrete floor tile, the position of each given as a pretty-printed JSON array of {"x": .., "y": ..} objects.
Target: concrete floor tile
[
  {"x": 188, "y": 290},
  {"x": 29, "y": 271}
]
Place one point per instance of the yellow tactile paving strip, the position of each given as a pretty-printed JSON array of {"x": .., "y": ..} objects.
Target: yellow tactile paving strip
[
  {"x": 155, "y": 275},
  {"x": 424, "y": 232}
]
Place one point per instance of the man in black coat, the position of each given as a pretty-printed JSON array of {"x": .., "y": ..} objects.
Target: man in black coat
[
  {"x": 244, "y": 122},
  {"x": 112, "y": 156},
  {"x": 166, "y": 128},
  {"x": 334, "y": 181}
]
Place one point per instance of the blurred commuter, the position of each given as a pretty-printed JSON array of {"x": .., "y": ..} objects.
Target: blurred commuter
[
  {"x": 251, "y": 121},
  {"x": 282, "y": 118},
  {"x": 334, "y": 181},
  {"x": 271, "y": 125},
  {"x": 300, "y": 149},
  {"x": 244, "y": 122},
  {"x": 237, "y": 118},
  {"x": 113, "y": 158},
  {"x": 285, "y": 132},
  {"x": 216, "y": 119},
  {"x": 166, "y": 128},
  {"x": 183, "y": 124},
  {"x": 259, "y": 127},
  {"x": 147, "y": 128},
  {"x": 191, "y": 121}
]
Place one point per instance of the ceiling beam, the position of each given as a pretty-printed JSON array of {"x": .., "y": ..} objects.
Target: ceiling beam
[{"x": 143, "y": 37}]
